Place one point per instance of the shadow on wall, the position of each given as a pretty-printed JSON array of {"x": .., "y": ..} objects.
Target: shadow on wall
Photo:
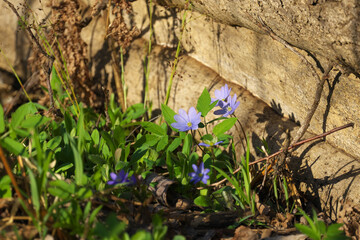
[
  {"x": 304, "y": 178},
  {"x": 275, "y": 127}
]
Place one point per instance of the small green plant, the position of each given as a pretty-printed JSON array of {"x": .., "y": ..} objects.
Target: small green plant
[{"x": 317, "y": 230}]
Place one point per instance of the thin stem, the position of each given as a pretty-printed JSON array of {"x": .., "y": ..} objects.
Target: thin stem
[
  {"x": 175, "y": 63},
  {"x": 206, "y": 129},
  {"x": 17, "y": 77},
  {"x": 289, "y": 148},
  {"x": 122, "y": 75},
  {"x": 11, "y": 175},
  {"x": 147, "y": 57}
]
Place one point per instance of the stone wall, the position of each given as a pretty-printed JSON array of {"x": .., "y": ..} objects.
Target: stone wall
[{"x": 266, "y": 67}]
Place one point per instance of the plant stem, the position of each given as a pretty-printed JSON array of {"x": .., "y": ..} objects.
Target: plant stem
[
  {"x": 289, "y": 148},
  {"x": 175, "y": 63},
  {"x": 147, "y": 58}
]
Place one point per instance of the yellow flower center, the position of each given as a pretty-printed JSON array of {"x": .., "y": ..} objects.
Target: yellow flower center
[
  {"x": 229, "y": 108},
  {"x": 189, "y": 124}
]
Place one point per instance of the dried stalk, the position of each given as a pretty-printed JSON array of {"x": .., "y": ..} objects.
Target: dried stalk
[{"x": 289, "y": 148}]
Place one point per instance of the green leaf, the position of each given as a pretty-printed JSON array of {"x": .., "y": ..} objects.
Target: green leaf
[
  {"x": 308, "y": 231},
  {"x": 64, "y": 167},
  {"x": 55, "y": 82},
  {"x": 179, "y": 237},
  {"x": 135, "y": 111},
  {"x": 81, "y": 132},
  {"x": 168, "y": 114},
  {"x": 109, "y": 141},
  {"x": 2, "y": 120},
  {"x": 13, "y": 146},
  {"x": 57, "y": 192},
  {"x": 18, "y": 116},
  {"x": 96, "y": 159},
  {"x": 203, "y": 104},
  {"x": 68, "y": 122},
  {"x": 153, "y": 128},
  {"x": 79, "y": 169},
  {"x": 187, "y": 144},
  {"x": 95, "y": 136},
  {"x": 175, "y": 144},
  {"x": 34, "y": 121},
  {"x": 34, "y": 191},
  {"x": 224, "y": 126},
  {"x": 141, "y": 235},
  {"x": 21, "y": 132},
  {"x": 84, "y": 193},
  {"x": 5, "y": 187},
  {"x": 54, "y": 143},
  {"x": 61, "y": 189},
  {"x": 162, "y": 143},
  {"x": 138, "y": 154},
  {"x": 202, "y": 201},
  {"x": 94, "y": 213},
  {"x": 333, "y": 232},
  {"x": 170, "y": 164}
]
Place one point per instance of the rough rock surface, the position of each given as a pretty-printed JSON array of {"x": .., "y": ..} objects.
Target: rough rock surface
[
  {"x": 328, "y": 28},
  {"x": 265, "y": 67}
]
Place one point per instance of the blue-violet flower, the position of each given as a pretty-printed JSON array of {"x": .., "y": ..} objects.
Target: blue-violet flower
[
  {"x": 229, "y": 108},
  {"x": 221, "y": 95},
  {"x": 185, "y": 122},
  {"x": 199, "y": 174},
  {"x": 208, "y": 143},
  {"x": 121, "y": 177}
]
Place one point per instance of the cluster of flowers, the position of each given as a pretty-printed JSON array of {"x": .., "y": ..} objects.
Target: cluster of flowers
[{"x": 190, "y": 121}]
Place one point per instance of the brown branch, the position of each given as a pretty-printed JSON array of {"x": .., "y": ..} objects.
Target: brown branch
[
  {"x": 319, "y": 85},
  {"x": 315, "y": 104},
  {"x": 289, "y": 148},
  {"x": 11, "y": 175}
]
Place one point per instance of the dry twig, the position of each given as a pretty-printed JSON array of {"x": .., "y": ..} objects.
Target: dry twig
[
  {"x": 319, "y": 85},
  {"x": 289, "y": 148}
]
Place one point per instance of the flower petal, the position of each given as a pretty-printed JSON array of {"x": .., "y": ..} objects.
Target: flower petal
[
  {"x": 111, "y": 182},
  {"x": 201, "y": 167},
  {"x": 192, "y": 174},
  {"x": 113, "y": 176},
  {"x": 184, "y": 115},
  {"x": 204, "y": 179},
  {"x": 220, "y": 111},
  {"x": 206, "y": 171},
  {"x": 204, "y": 144},
  {"x": 195, "y": 168},
  {"x": 180, "y": 119}
]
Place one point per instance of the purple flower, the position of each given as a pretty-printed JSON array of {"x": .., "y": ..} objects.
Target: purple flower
[
  {"x": 208, "y": 143},
  {"x": 199, "y": 174},
  {"x": 185, "y": 122},
  {"x": 133, "y": 180},
  {"x": 121, "y": 177},
  {"x": 221, "y": 95},
  {"x": 229, "y": 108}
]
